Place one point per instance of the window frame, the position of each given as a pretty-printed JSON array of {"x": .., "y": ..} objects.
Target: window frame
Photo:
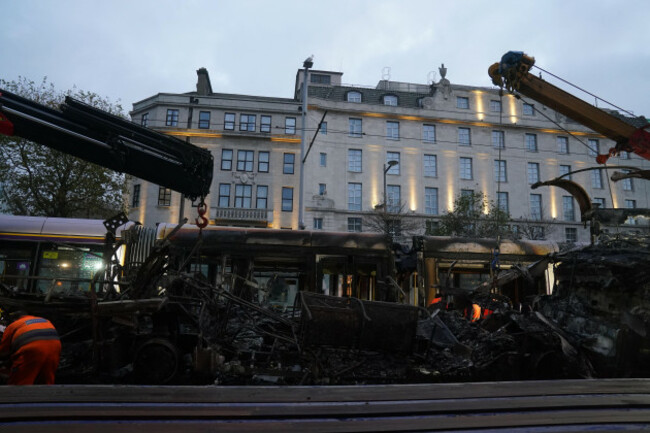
[
  {"x": 164, "y": 196},
  {"x": 354, "y": 96},
  {"x": 500, "y": 170},
  {"x": 265, "y": 123},
  {"x": 430, "y": 165},
  {"x": 203, "y": 123},
  {"x": 431, "y": 200},
  {"x": 135, "y": 197},
  {"x": 290, "y": 129},
  {"x": 354, "y": 225},
  {"x": 355, "y": 196},
  {"x": 530, "y": 140},
  {"x": 462, "y": 102},
  {"x": 428, "y": 133},
  {"x": 288, "y": 163},
  {"x": 245, "y": 162},
  {"x": 532, "y": 172},
  {"x": 229, "y": 120},
  {"x": 390, "y": 100},
  {"x": 562, "y": 144},
  {"x": 527, "y": 109},
  {"x": 462, "y": 135},
  {"x": 355, "y": 160},
  {"x": 464, "y": 166},
  {"x": 498, "y": 139},
  {"x": 393, "y": 156},
  {"x": 393, "y": 198},
  {"x": 287, "y": 199},
  {"x": 259, "y": 198},
  {"x": 263, "y": 161},
  {"x": 226, "y": 161},
  {"x": 243, "y": 194},
  {"x": 245, "y": 123},
  {"x": 355, "y": 127},
  {"x": 172, "y": 117},
  {"x": 223, "y": 196}
]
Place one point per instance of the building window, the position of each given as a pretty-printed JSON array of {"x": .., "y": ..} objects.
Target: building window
[
  {"x": 466, "y": 168},
  {"x": 323, "y": 159},
  {"x": 531, "y": 142},
  {"x": 263, "y": 162},
  {"x": 571, "y": 235},
  {"x": 568, "y": 210},
  {"x": 464, "y": 137},
  {"x": 500, "y": 171},
  {"x": 627, "y": 183},
  {"x": 394, "y": 227},
  {"x": 431, "y": 201},
  {"x": 599, "y": 201},
  {"x": 529, "y": 109},
  {"x": 243, "y": 196},
  {"x": 289, "y": 159},
  {"x": 229, "y": 121},
  {"x": 354, "y": 196},
  {"x": 563, "y": 145},
  {"x": 262, "y": 196},
  {"x": 431, "y": 227},
  {"x": 593, "y": 146},
  {"x": 322, "y": 189},
  {"x": 533, "y": 172},
  {"x": 247, "y": 122},
  {"x": 245, "y": 160},
  {"x": 354, "y": 225},
  {"x": 318, "y": 223},
  {"x": 172, "y": 118},
  {"x": 290, "y": 125},
  {"x": 564, "y": 171},
  {"x": 498, "y": 140},
  {"x": 226, "y": 159},
  {"x": 265, "y": 123},
  {"x": 462, "y": 102},
  {"x": 393, "y": 156},
  {"x": 596, "y": 179},
  {"x": 429, "y": 133},
  {"x": 323, "y": 128},
  {"x": 145, "y": 119},
  {"x": 164, "y": 196},
  {"x": 320, "y": 79},
  {"x": 135, "y": 198},
  {"x": 224, "y": 195},
  {"x": 502, "y": 202},
  {"x": 393, "y": 198},
  {"x": 287, "y": 199},
  {"x": 468, "y": 193},
  {"x": 392, "y": 130},
  {"x": 204, "y": 120},
  {"x": 353, "y": 97},
  {"x": 536, "y": 207},
  {"x": 430, "y": 165},
  {"x": 390, "y": 100},
  {"x": 354, "y": 160},
  {"x": 355, "y": 127},
  {"x": 495, "y": 106}
]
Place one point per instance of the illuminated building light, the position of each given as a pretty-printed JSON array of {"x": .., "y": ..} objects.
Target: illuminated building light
[
  {"x": 480, "y": 115},
  {"x": 512, "y": 102},
  {"x": 553, "y": 206}
]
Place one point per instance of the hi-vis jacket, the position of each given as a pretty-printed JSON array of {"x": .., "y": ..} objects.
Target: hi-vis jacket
[{"x": 26, "y": 330}]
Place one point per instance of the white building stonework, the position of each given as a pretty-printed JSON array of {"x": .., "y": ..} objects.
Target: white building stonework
[{"x": 446, "y": 139}]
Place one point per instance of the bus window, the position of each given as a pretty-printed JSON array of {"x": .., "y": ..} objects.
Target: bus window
[
  {"x": 68, "y": 263},
  {"x": 15, "y": 262}
]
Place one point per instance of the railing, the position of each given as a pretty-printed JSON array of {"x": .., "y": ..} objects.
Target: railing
[{"x": 236, "y": 213}]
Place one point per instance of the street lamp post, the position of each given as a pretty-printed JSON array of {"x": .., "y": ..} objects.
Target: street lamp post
[
  {"x": 308, "y": 63},
  {"x": 387, "y": 167}
]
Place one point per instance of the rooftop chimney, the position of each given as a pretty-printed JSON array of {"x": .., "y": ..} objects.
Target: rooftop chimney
[{"x": 203, "y": 86}]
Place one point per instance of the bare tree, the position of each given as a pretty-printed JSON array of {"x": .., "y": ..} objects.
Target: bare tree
[{"x": 395, "y": 225}]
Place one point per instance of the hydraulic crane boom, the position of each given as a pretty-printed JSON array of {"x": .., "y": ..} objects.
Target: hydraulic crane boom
[
  {"x": 513, "y": 74},
  {"x": 109, "y": 141}
]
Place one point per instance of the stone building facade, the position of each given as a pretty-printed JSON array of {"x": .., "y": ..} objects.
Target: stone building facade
[{"x": 441, "y": 140}]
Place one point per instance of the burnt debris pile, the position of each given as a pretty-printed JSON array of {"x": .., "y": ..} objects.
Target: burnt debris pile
[{"x": 171, "y": 327}]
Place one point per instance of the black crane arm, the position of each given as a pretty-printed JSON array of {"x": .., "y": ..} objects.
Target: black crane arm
[{"x": 107, "y": 140}]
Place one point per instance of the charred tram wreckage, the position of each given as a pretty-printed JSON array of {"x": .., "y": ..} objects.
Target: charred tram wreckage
[{"x": 240, "y": 307}]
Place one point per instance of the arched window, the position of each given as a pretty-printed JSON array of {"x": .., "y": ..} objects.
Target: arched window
[
  {"x": 390, "y": 100},
  {"x": 354, "y": 96}
]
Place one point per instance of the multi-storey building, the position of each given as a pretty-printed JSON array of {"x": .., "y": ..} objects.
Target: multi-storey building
[{"x": 419, "y": 145}]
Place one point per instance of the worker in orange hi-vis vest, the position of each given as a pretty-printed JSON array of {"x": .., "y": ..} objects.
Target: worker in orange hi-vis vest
[{"x": 34, "y": 347}]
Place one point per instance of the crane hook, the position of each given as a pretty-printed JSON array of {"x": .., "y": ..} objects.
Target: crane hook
[{"x": 202, "y": 209}]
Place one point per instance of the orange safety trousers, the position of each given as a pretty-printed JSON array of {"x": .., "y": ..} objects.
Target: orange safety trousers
[{"x": 35, "y": 363}]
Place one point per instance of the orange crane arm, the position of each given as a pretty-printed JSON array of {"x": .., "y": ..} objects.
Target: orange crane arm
[{"x": 513, "y": 73}]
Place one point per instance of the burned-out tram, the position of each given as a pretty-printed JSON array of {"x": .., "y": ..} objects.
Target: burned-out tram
[{"x": 39, "y": 254}]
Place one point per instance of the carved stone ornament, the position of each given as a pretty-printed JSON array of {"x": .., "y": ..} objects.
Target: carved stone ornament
[{"x": 244, "y": 177}]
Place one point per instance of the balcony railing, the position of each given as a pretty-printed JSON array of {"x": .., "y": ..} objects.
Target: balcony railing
[{"x": 239, "y": 214}]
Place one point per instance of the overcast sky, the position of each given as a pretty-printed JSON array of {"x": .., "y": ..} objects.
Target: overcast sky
[{"x": 130, "y": 50}]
